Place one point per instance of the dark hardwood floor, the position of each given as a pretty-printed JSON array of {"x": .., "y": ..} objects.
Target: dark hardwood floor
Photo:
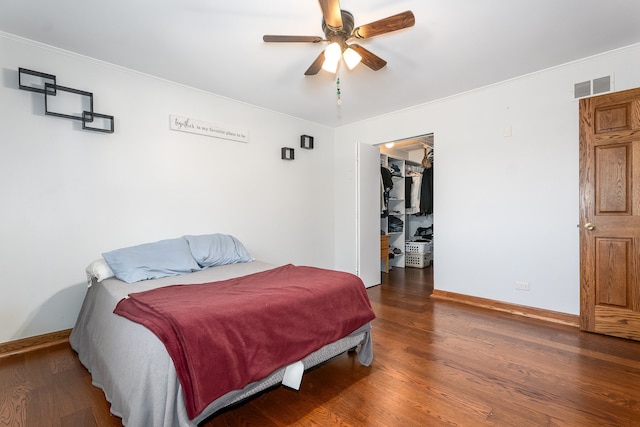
[{"x": 436, "y": 363}]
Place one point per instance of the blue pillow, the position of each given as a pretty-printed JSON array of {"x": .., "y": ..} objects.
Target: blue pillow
[
  {"x": 210, "y": 250},
  {"x": 152, "y": 260}
]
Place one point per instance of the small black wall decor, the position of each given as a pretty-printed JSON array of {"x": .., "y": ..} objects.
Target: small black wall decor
[
  {"x": 287, "y": 153},
  {"x": 29, "y": 80},
  {"x": 306, "y": 141}
]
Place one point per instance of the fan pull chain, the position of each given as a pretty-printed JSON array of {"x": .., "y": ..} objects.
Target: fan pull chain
[{"x": 338, "y": 89}]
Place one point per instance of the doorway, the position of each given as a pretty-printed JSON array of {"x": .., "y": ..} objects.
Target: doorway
[{"x": 406, "y": 218}]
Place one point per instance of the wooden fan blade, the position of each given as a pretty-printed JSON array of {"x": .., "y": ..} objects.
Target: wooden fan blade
[
  {"x": 316, "y": 66},
  {"x": 288, "y": 39},
  {"x": 369, "y": 59},
  {"x": 331, "y": 13},
  {"x": 386, "y": 25}
]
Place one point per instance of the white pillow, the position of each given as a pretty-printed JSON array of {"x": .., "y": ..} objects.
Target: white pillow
[{"x": 99, "y": 269}]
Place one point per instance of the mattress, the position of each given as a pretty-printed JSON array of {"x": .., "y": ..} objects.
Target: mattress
[{"x": 131, "y": 365}]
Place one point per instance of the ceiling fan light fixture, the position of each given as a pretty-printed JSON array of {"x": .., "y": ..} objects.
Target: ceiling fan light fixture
[
  {"x": 351, "y": 58},
  {"x": 330, "y": 66},
  {"x": 338, "y": 28},
  {"x": 332, "y": 52},
  {"x": 332, "y": 57}
]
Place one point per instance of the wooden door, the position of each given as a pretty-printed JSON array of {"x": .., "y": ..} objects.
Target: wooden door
[{"x": 610, "y": 214}]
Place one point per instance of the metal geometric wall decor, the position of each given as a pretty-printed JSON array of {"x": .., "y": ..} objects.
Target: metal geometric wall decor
[
  {"x": 22, "y": 73},
  {"x": 29, "y": 80}
]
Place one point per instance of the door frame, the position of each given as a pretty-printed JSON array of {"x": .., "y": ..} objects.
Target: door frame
[{"x": 368, "y": 213}]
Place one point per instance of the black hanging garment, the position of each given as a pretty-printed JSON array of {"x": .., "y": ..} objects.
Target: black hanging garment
[
  {"x": 387, "y": 181},
  {"x": 387, "y": 185},
  {"x": 426, "y": 191},
  {"x": 408, "y": 187}
]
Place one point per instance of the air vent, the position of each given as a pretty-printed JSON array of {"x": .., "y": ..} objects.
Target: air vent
[
  {"x": 592, "y": 87},
  {"x": 601, "y": 85},
  {"x": 582, "y": 89}
]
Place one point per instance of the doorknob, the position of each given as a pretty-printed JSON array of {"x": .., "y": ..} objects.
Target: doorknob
[{"x": 589, "y": 226}]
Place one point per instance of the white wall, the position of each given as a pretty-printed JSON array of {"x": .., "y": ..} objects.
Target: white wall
[
  {"x": 505, "y": 209},
  {"x": 68, "y": 195}
]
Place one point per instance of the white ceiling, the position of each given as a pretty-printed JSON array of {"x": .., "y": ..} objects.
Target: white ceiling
[{"x": 216, "y": 46}]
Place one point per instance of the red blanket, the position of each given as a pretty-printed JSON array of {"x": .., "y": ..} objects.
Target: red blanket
[{"x": 225, "y": 335}]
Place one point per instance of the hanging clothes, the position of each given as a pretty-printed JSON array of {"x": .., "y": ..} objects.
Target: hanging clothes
[
  {"x": 386, "y": 186},
  {"x": 387, "y": 181},
  {"x": 408, "y": 187},
  {"x": 426, "y": 191},
  {"x": 413, "y": 182},
  {"x": 383, "y": 204}
]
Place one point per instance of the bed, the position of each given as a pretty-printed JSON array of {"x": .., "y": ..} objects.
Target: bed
[{"x": 136, "y": 371}]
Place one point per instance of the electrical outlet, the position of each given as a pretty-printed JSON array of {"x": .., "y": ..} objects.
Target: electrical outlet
[{"x": 522, "y": 286}]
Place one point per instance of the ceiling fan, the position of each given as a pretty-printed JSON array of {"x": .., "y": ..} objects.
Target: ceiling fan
[{"x": 338, "y": 28}]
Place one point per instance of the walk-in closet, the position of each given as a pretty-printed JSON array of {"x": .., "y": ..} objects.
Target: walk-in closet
[{"x": 406, "y": 203}]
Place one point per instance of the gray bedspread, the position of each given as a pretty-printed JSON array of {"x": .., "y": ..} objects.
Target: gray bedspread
[{"x": 130, "y": 364}]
